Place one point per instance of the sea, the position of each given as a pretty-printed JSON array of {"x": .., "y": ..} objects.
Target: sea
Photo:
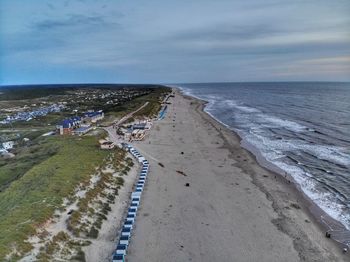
[{"x": 302, "y": 128}]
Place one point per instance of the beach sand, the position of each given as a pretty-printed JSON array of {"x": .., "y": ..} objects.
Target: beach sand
[{"x": 231, "y": 210}]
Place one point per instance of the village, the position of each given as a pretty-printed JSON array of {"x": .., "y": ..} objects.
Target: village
[
  {"x": 81, "y": 125},
  {"x": 44, "y": 113}
]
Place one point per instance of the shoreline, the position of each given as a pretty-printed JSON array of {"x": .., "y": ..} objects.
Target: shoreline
[
  {"x": 207, "y": 199},
  {"x": 316, "y": 214}
]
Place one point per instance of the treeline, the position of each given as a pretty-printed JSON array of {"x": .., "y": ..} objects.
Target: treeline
[{"x": 21, "y": 92}]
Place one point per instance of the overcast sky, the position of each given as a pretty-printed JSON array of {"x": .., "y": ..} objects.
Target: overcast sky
[{"x": 163, "y": 41}]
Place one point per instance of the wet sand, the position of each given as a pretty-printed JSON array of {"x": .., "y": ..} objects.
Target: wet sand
[{"x": 232, "y": 209}]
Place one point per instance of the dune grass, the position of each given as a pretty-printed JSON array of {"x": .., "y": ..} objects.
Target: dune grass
[{"x": 31, "y": 200}]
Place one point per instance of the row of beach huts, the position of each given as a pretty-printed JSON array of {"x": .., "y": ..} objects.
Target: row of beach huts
[{"x": 129, "y": 222}]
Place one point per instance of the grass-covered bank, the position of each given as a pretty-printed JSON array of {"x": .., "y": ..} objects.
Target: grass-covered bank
[
  {"x": 31, "y": 200},
  {"x": 26, "y": 157}
]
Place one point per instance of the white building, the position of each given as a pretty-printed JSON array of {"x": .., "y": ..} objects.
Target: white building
[{"x": 8, "y": 145}]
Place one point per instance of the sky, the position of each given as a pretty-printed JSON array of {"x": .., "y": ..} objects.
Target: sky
[{"x": 182, "y": 41}]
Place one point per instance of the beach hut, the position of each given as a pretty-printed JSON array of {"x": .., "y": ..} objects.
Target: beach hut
[
  {"x": 136, "y": 198},
  {"x": 121, "y": 249},
  {"x": 128, "y": 223},
  {"x": 136, "y": 194},
  {"x": 118, "y": 258},
  {"x": 131, "y": 217},
  {"x": 124, "y": 240},
  {"x": 134, "y": 205},
  {"x": 140, "y": 186},
  {"x": 142, "y": 179},
  {"x": 126, "y": 231},
  {"x": 140, "y": 159},
  {"x": 136, "y": 202},
  {"x": 132, "y": 211}
]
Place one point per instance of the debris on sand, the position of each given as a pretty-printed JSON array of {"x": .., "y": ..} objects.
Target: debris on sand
[{"x": 181, "y": 173}]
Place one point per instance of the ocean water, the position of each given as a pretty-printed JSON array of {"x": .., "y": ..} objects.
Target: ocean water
[{"x": 302, "y": 128}]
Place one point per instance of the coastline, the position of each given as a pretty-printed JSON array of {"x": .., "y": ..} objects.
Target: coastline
[
  {"x": 318, "y": 216},
  {"x": 236, "y": 188}
]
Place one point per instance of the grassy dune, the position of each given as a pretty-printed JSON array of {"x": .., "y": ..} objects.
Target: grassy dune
[{"x": 31, "y": 200}]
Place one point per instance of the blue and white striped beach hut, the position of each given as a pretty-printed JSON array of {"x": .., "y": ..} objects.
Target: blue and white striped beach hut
[
  {"x": 118, "y": 258},
  {"x": 128, "y": 223},
  {"x": 131, "y": 217},
  {"x": 121, "y": 249},
  {"x": 124, "y": 240},
  {"x": 126, "y": 231}
]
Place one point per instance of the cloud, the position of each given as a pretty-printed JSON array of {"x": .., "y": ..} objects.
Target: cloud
[
  {"x": 227, "y": 32},
  {"x": 186, "y": 40},
  {"x": 70, "y": 21}
]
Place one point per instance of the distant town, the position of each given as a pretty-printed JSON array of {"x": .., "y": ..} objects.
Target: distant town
[{"x": 73, "y": 111}]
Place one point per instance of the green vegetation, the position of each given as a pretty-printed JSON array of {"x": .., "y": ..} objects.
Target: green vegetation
[
  {"x": 62, "y": 243},
  {"x": 97, "y": 200},
  {"x": 26, "y": 157},
  {"x": 31, "y": 200},
  {"x": 46, "y": 170},
  {"x": 29, "y": 92},
  {"x": 154, "y": 100}
]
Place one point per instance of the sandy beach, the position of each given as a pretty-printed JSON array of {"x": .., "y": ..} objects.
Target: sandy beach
[{"x": 209, "y": 200}]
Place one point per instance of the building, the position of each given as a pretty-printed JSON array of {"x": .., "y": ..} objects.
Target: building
[
  {"x": 67, "y": 126},
  {"x": 8, "y": 145},
  {"x": 107, "y": 145},
  {"x": 93, "y": 117},
  {"x": 81, "y": 130},
  {"x": 140, "y": 126}
]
